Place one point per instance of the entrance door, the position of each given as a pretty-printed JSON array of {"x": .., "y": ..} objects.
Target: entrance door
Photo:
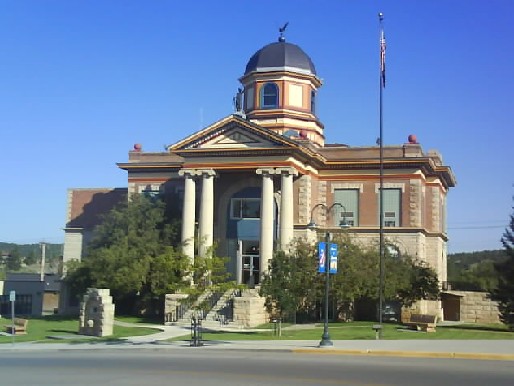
[{"x": 251, "y": 263}]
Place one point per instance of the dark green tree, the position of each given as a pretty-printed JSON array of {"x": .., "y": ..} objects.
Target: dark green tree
[
  {"x": 421, "y": 283},
  {"x": 31, "y": 258},
  {"x": 292, "y": 284},
  {"x": 132, "y": 253},
  {"x": 504, "y": 293},
  {"x": 358, "y": 277},
  {"x": 14, "y": 260}
]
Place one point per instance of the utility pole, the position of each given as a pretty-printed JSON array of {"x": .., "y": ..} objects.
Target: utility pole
[{"x": 43, "y": 258}]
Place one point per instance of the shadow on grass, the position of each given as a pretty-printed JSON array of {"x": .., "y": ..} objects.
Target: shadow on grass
[
  {"x": 64, "y": 331},
  {"x": 55, "y": 318},
  {"x": 76, "y": 339},
  {"x": 149, "y": 319},
  {"x": 476, "y": 328},
  {"x": 241, "y": 333}
]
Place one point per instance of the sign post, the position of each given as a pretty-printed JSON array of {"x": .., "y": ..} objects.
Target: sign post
[{"x": 12, "y": 298}]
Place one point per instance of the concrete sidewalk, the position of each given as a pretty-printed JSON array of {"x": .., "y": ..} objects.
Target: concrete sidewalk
[{"x": 462, "y": 349}]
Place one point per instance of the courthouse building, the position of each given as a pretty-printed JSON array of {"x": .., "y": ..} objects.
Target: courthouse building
[{"x": 250, "y": 182}]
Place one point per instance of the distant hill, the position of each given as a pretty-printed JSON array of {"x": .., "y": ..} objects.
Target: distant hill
[
  {"x": 474, "y": 271},
  {"x": 53, "y": 251},
  {"x": 465, "y": 260}
]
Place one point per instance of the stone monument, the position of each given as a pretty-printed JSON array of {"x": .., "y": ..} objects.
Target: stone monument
[{"x": 96, "y": 313}]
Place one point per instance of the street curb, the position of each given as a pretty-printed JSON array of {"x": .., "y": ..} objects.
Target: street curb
[{"x": 406, "y": 354}]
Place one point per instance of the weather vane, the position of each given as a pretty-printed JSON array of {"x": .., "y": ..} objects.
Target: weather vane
[{"x": 282, "y": 30}]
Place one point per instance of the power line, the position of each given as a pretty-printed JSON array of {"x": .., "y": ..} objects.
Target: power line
[{"x": 479, "y": 227}]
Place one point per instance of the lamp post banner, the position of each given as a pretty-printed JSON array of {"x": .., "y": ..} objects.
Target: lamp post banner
[
  {"x": 322, "y": 248},
  {"x": 333, "y": 258}
]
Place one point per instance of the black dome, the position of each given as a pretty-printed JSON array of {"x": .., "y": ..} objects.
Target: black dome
[{"x": 280, "y": 56}]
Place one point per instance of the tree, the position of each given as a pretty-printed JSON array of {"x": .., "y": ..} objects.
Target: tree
[
  {"x": 292, "y": 285},
  {"x": 31, "y": 258},
  {"x": 474, "y": 271},
  {"x": 422, "y": 283},
  {"x": 504, "y": 293},
  {"x": 135, "y": 252},
  {"x": 14, "y": 260},
  {"x": 132, "y": 253},
  {"x": 357, "y": 278}
]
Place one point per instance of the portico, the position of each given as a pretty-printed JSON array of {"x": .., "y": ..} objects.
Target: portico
[{"x": 267, "y": 219}]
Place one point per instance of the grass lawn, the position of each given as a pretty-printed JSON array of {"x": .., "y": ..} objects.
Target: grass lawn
[
  {"x": 363, "y": 330},
  {"x": 39, "y": 329}
]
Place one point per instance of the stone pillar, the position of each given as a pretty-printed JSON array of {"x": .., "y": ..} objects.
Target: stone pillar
[
  {"x": 206, "y": 222},
  {"x": 96, "y": 313},
  {"x": 266, "y": 242},
  {"x": 188, "y": 213},
  {"x": 286, "y": 207}
]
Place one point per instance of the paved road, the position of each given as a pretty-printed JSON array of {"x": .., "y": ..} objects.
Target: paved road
[
  {"x": 216, "y": 367},
  {"x": 455, "y": 349}
]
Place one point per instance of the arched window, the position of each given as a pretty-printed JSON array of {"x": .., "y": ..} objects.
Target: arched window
[
  {"x": 269, "y": 96},
  {"x": 313, "y": 102}
]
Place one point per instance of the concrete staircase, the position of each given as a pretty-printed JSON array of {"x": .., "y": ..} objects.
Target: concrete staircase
[
  {"x": 219, "y": 309},
  {"x": 193, "y": 309},
  {"x": 222, "y": 310}
]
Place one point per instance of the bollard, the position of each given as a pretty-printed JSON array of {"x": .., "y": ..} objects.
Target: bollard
[
  {"x": 378, "y": 330},
  {"x": 196, "y": 332},
  {"x": 277, "y": 327}
]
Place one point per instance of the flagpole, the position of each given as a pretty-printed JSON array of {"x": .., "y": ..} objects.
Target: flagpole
[{"x": 381, "y": 196}]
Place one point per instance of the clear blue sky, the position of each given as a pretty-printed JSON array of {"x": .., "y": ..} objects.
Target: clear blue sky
[{"x": 82, "y": 81}]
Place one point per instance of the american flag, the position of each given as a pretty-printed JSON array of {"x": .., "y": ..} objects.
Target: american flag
[{"x": 382, "y": 58}]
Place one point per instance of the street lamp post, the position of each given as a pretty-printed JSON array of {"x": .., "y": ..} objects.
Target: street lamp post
[{"x": 325, "y": 338}]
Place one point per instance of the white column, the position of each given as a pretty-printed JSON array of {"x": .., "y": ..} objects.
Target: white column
[
  {"x": 206, "y": 223},
  {"x": 188, "y": 213},
  {"x": 266, "y": 242},
  {"x": 286, "y": 207},
  {"x": 239, "y": 262}
]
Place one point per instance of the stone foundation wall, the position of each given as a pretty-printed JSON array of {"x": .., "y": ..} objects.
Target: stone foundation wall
[
  {"x": 249, "y": 310},
  {"x": 171, "y": 302},
  {"x": 427, "y": 307},
  {"x": 476, "y": 307}
]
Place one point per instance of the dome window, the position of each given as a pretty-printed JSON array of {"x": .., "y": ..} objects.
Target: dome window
[{"x": 269, "y": 96}]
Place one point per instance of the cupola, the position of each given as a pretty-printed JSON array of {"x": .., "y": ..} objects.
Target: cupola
[{"x": 280, "y": 87}]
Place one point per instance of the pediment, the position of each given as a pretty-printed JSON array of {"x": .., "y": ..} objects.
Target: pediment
[
  {"x": 236, "y": 138},
  {"x": 232, "y": 133}
]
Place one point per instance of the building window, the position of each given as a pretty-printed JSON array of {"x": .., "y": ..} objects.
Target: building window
[
  {"x": 269, "y": 96},
  {"x": 349, "y": 198},
  {"x": 245, "y": 208},
  {"x": 151, "y": 191},
  {"x": 392, "y": 205},
  {"x": 313, "y": 102}
]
